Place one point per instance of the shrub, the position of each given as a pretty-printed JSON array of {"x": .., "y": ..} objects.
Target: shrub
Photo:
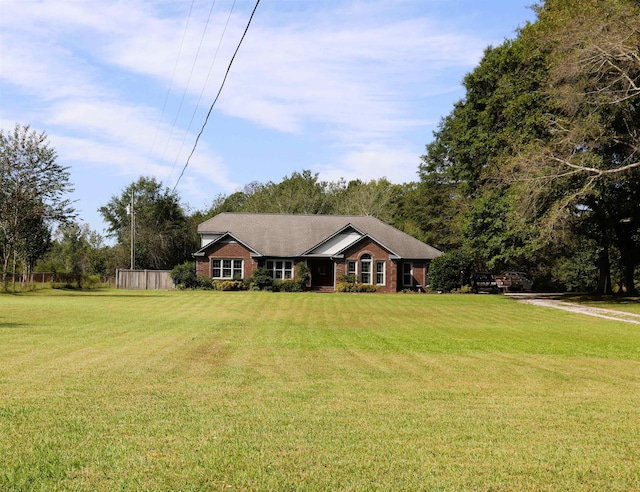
[
  {"x": 260, "y": 279},
  {"x": 449, "y": 271},
  {"x": 465, "y": 289},
  {"x": 203, "y": 282},
  {"x": 289, "y": 285},
  {"x": 90, "y": 281},
  {"x": 355, "y": 287},
  {"x": 347, "y": 279},
  {"x": 229, "y": 285},
  {"x": 302, "y": 274},
  {"x": 185, "y": 275}
]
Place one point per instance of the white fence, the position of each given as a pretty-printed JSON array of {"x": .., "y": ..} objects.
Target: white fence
[{"x": 144, "y": 279}]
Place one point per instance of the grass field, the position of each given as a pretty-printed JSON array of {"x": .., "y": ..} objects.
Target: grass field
[{"x": 122, "y": 390}]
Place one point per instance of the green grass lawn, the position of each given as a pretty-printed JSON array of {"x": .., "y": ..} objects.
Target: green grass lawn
[{"x": 123, "y": 390}]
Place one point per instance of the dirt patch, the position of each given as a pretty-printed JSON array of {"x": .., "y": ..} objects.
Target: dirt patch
[{"x": 554, "y": 302}]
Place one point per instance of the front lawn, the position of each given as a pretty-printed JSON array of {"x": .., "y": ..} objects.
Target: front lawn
[{"x": 132, "y": 390}]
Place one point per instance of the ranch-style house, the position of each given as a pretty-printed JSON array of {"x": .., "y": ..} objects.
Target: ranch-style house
[{"x": 233, "y": 245}]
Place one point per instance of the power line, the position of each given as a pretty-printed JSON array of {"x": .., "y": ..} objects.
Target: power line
[
  {"x": 166, "y": 99},
  {"x": 186, "y": 88},
  {"x": 197, "y": 106},
  {"x": 218, "y": 95}
]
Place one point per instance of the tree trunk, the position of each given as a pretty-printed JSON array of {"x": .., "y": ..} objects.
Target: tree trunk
[
  {"x": 604, "y": 266},
  {"x": 627, "y": 247}
]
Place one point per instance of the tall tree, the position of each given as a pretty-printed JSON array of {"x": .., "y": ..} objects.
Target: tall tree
[
  {"x": 33, "y": 187},
  {"x": 461, "y": 171},
  {"x": 76, "y": 250},
  {"x": 300, "y": 193},
  {"x": 547, "y": 140},
  {"x": 162, "y": 235},
  {"x": 589, "y": 167},
  {"x": 378, "y": 198}
]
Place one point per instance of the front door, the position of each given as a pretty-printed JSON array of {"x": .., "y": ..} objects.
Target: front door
[{"x": 321, "y": 273}]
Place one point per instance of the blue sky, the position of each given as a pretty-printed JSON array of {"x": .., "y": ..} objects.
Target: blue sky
[{"x": 348, "y": 89}]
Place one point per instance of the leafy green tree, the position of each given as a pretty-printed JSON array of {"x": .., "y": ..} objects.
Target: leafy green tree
[
  {"x": 33, "y": 187},
  {"x": 431, "y": 210},
  {"x": 163, "y": 234},
  {"x": 449, "y": 271},
  {"x": 466, "y": 196},
  {"x": 549, "y": 125},
  {"x": 502, "y": 109},
  {"x": 76, "y": 250},
  {"x": 301, "y": 193},
  {"x": 378, "y": 198},
  {"x": 589, "y": 166}
]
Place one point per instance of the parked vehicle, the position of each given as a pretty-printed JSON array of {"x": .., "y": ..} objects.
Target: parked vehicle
[
  {"x": 484, "y": 282},
  {"x": 514, "y": 282}
]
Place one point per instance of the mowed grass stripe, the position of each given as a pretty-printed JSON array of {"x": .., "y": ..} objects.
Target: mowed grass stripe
[{"x": 258, "y": 391}]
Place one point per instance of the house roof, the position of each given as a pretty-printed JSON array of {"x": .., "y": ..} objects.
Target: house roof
[{"x": 286, "y": 235}]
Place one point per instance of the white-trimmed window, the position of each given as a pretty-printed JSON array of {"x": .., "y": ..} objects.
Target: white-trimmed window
[
  {"x": 352, "y": 267},
  {"x": 380, "y": 272},
  {"x": 365, "y": 269},
  {"x": 226, "y": 268},
  {"x": 407, "y": 274},
  {"x": 280, "y": 269}
]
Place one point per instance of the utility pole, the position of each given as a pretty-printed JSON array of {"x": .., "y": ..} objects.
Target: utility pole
[{"x": 131, "y": 212}]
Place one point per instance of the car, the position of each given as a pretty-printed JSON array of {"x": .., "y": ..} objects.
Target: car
[
  {"x": 514, "y": 282},
  {"x": 484, "y": 282}
]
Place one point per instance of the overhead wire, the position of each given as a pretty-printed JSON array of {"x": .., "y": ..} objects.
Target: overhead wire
[
  {"x": 217, "y": 95},
  {"x": 197, "y": 106},
  {"x": 186, "y": 87},
  {"x": 166, "y": 98}
]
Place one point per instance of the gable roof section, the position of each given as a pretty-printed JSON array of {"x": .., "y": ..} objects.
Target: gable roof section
[
  {"x": 336, "y": 244},
  {"x": 285, "y": 235},
  {"x": 392, "y": 253},
  {"x": 225, "y": 237}
]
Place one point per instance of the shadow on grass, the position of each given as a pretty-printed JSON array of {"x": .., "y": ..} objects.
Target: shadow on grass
[
  {"x": 73, "y": 292},
  {"x": 104, "y": 293}
]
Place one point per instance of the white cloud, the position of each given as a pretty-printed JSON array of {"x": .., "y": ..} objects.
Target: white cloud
[
  {"x": 350, "y": 77},
  {"x": 373, "y": 162}
]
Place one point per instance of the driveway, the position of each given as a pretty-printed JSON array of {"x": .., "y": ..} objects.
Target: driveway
[{"x": 555, "y": 301}]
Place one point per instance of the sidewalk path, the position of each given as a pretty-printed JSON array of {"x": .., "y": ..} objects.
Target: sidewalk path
[{"x": 553, "y": 302}]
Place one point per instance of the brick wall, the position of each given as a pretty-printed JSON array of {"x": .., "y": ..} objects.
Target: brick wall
[
  {"x": 377, "y": 253},
  {"x": 231, "y": 251}
]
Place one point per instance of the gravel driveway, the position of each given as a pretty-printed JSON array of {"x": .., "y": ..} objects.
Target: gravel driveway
[{"x": 552, "y": 301}]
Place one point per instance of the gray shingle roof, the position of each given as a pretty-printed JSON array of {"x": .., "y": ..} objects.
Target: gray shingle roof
[{"x": 286, "y": 235}]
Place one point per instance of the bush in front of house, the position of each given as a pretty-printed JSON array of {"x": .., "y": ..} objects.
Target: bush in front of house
[
  {"x": 260, "y": 279},
  {"x": 289, "y": 285},
  {"x": 355, "y": 287},
  {"x": 184, "y": 275},
  {"x": 449, "y": 272},
  {"x": 349, "y": 283},
  {"x": 229, "y": 285},
  {"x": 203, "y": 282}
]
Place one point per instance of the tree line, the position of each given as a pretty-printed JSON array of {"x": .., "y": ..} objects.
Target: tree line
[{"x": 537, "y": 168}]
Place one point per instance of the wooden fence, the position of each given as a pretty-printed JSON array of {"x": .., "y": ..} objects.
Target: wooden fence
[{"x": 144, "y": 279}]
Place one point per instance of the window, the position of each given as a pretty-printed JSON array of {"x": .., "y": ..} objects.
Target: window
[
  {"x": 280, "y": 269},
  {"x": 365, "y": 269},
  {"x": 380, "y": 272},
  {"x": 226, "y": 268},
  {"x": 407, "y": 274},
  {"x": 352, "y": 268}
]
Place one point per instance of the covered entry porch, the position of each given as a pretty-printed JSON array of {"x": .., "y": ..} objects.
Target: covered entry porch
[{"x": 322, "y": 272}]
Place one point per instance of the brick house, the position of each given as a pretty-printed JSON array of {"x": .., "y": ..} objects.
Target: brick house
[{"x": 233, "y": 245}]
